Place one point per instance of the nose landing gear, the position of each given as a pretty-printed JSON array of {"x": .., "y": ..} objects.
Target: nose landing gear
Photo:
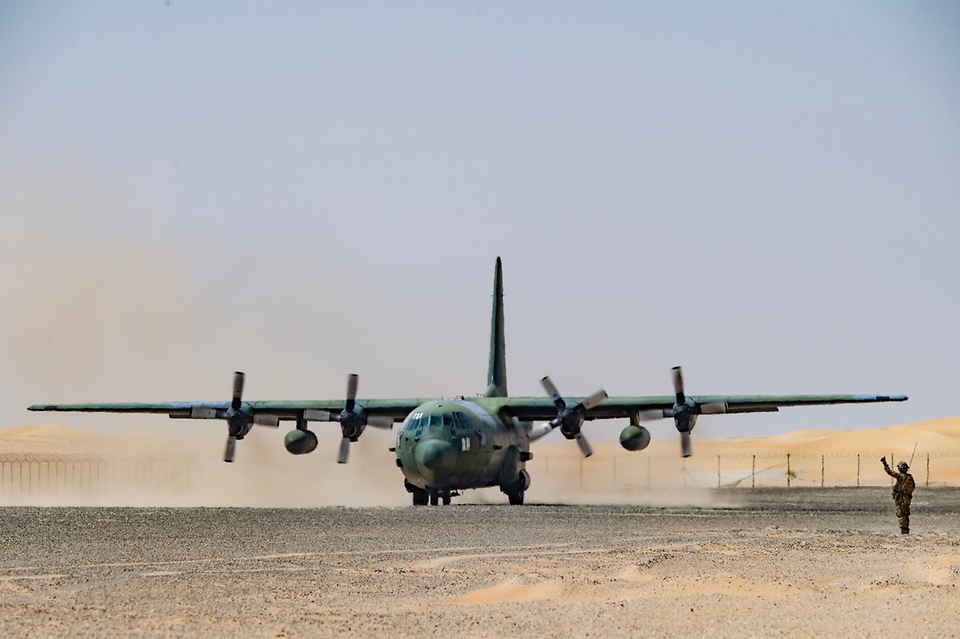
[{"x": 433, "y": 496}]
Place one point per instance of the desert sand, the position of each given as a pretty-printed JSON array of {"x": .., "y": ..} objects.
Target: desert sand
[
  {"x": 771, "y": 562},
  {"x": 618, "y": 545}
]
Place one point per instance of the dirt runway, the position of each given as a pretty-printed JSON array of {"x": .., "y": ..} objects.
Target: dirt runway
[{"x": 765, "y": 563}]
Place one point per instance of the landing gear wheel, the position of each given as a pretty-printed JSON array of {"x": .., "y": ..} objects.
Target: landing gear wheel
[
  {"x": 445, "y": 495},
  {"x": 420, "y": 496},
  {"x": 434, "y": 496},
  {"x": 515, "y": 494}
]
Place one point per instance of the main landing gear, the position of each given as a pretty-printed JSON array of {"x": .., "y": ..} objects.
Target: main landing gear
[
  {"x": 433, "y": 496},
  {"x": 515, "y": 493},
  {"x": 516, "y": 490}
]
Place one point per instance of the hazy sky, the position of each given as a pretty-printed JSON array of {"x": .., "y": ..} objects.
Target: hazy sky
[{"x": 766, "y": 193}]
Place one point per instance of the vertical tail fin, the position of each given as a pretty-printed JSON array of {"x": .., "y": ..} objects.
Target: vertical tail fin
[{"x": 497, "y": 373}]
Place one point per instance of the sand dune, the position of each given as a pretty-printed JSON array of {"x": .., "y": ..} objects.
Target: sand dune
[
  {"x": 53, "y": 439},
  {"x": 939, "y": 435}
]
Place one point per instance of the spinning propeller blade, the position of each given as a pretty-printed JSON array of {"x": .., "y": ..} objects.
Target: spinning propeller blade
[
  {"x": 238, "y": 419},
  {"x": 231, "y": 449},
  {"x": 237, "y": 390},
  {"x": 685, "y": 412},
  {"x": 553, "y": 393},
  {"x": 678, "y": 384},
  {"x": 352, "y": 419},
  {"x": 352, "y": 383},
  {"x": 568, "y": 419},
  {"x": 594, "y": 400},
  {"x": 584, "y": 445},
  {"x": 344, "y": 453}
]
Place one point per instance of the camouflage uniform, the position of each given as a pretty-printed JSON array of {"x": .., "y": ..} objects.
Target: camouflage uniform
[{"x": 902, "y": 493}]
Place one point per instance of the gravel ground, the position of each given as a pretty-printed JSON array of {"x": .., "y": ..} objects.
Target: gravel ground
[{"x": 772, "y": 562}]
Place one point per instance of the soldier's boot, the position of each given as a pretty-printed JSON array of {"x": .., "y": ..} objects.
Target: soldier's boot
[{"x": 904, "y": 526}]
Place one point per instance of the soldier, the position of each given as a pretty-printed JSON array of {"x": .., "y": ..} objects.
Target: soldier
[{"x": 902, "y": 493}]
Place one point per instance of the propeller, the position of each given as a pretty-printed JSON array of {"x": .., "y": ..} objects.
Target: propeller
[
  {"x": 238, "y": 420},
  {"x": 352, "y": 419},
  {"x": 570, "y": 419},
  {"x": 239, "y": 417},
  {"x": 684, "y": 412},
  {"x": 231, "y": 448}
]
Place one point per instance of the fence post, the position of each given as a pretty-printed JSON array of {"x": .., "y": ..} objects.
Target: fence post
[
  {"x": 858, "y": 470},
  {"x": 788, "y": 470},
  {"x": 927, "y": 485},
  {"x": 821, "y": 471},
  {"x": 753, "y": 473}
]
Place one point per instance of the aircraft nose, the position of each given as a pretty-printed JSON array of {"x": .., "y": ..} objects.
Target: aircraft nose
[{"x": 435, "y": 458}]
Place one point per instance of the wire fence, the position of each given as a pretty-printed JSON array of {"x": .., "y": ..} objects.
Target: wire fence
[
  {"x": 743, "y": 470},
  {"x": 25, "y": 475}
]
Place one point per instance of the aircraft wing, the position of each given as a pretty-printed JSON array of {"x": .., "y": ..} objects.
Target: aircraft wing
[
  {"x": 543, "y": 408},
  {"x": 523, "y": 408},
  {"x": 283, "y": 410}
]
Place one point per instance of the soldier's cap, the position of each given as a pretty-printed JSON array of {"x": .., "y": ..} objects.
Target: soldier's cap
[{"x": 903, "y": 467}]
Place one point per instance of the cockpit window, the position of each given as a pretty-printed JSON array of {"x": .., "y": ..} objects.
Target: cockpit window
[{"x": 448, "y": 420}]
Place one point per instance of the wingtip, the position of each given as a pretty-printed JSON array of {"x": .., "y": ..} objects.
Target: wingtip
[{"x": 892, "y": 398}]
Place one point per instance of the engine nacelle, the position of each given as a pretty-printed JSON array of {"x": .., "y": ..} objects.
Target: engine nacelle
[
  {"x": 634, "y": 438},
  {"x": 300, "y": 442}
]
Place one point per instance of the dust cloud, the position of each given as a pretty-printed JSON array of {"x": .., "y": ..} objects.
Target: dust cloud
[
  {"x": 99, "y": 306},
  {"x": 57, "y": 466}
]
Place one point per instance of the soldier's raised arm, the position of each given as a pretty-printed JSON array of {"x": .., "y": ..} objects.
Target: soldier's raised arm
[{"x": 887, "y": 468}]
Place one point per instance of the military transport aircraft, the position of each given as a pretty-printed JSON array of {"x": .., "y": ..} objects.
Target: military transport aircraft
[{"x": 445, "y": 446}]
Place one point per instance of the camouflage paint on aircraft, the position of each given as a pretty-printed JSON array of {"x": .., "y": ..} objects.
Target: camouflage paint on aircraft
[{"x": 448, "y": 445}]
